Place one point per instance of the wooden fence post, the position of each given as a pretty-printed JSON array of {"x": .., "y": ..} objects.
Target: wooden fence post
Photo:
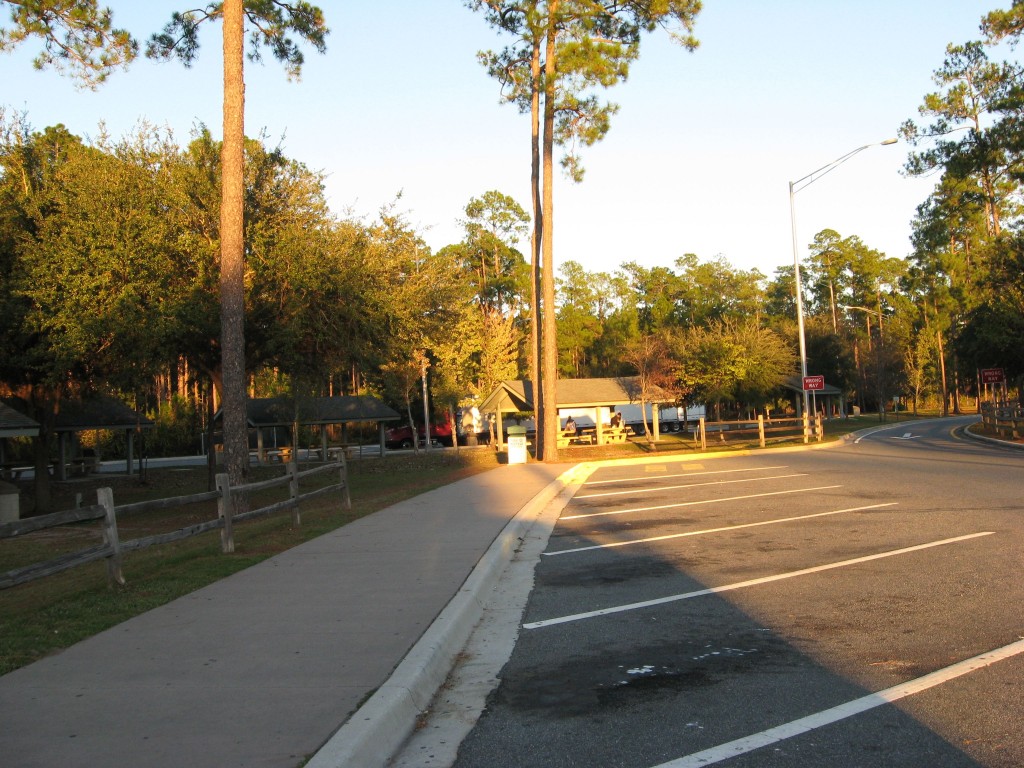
[
  {"x": 760, "y": 429},
  {"x": 225, "y": 510},
  {"x": 344, "y": 481},
  {"x": 703, "y": 435},
  {"x": 293, "y": 491},
  {"x": 819, "y": 428},
  {"x": 105, "y": 498},
  {"x": 807, "y": 426}
]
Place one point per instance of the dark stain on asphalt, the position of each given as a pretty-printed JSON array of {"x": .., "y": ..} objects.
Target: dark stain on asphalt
[
  {"x": 608, "y": 573},
  {"x": 587, "y": 684}
]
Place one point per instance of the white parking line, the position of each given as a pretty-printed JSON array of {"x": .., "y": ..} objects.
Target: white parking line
[
  {"x": 660, "y": 488},
  {"x": 696, "y": 503},
  {"x": 713, "y": 530},
  {"x": 744, "y": 584},
  {"x": 843, "y": 711},
  {"x": 680, "y": 474}
]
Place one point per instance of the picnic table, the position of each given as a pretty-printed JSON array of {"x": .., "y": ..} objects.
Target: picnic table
[{"x": 573, "y": 437}]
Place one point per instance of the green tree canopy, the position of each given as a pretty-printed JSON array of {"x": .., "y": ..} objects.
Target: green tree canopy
[{"x": 78, "y": 36}]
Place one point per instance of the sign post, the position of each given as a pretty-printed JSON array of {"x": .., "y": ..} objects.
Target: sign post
[{"x": 993, "y": 376}]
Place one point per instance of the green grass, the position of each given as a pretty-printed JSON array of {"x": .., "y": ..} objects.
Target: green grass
[{"x": 45, "y": 616}]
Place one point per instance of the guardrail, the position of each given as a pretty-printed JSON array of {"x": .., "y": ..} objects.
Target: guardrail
[{"x": 112, "y": 548}]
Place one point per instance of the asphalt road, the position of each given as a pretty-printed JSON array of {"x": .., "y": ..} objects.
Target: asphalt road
[{"x": 857, "y": 606}]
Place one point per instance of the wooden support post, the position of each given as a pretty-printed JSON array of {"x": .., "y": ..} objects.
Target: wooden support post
[
  {"x": 807, "y": 426},
  {"x": 703, "y": 435},
  {"x": 344, "y": 482},
  {"x": 760, "y": 429},
  {"x": 293, "y": 492},
  {"x": 819, "y": 428},
  {"x": 225, "y": 510},
  {"x": 105, "y": 498}
]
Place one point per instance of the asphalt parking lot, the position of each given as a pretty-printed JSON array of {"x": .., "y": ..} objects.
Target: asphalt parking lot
[{"x": 843, "y": 608}]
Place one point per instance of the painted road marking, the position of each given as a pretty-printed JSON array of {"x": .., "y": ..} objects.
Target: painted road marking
[
  {"x": 695, "y": 503},
  {"x": 687, "y": 485},
  {"x": 875, "y": 431},
  {"x": 907, "y": 436},
  {"x": 682, "y": 474},
  {"x": 843, "y": 711},
  {"x": 713, "y": 530},
  {"x": 745, "y": 584}
]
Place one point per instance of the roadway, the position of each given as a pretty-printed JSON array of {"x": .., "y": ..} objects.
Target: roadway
[{"x": 857, "y": 606}]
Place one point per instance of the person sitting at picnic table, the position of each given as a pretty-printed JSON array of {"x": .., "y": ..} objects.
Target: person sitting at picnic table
[
  {"x": 616, "y": 420},
  {"x": 570, "y": 425}
]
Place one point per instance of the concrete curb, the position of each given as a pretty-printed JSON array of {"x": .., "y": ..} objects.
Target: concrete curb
[
  {"x": 992, "y": 440},
  {"x": 378, "y": 729}
]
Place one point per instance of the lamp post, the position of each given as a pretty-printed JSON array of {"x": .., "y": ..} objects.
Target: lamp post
[
  {"x": 794, "y": 187},
  {"x": 879, "y": 360}
]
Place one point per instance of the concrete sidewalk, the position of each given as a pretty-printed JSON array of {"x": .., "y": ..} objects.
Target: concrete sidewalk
[{"x": 261, "y": 668}]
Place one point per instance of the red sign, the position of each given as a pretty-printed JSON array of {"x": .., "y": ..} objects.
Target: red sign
[
  {"x": 814, "y": 383},
  {"x": 992, "y": 376}
]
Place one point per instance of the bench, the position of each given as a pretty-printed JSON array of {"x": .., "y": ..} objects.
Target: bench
[
  {"x": 13, "y": 471},
  {"x": 83, "y": 465},
  {"x": 284, "y": 455},
  {"x": 615, "y": 435}
]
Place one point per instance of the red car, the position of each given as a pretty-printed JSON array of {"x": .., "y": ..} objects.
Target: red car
[{"x": 401, "y": 437}]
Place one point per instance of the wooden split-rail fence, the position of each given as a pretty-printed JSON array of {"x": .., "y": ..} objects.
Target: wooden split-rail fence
[
  {"x": 112, "y": 548},
  {"x": 810, "y": 429},
  {"x": 1007, "y": 419}
]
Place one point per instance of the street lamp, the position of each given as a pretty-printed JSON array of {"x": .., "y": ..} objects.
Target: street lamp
[{"x": 794, "y": 187}]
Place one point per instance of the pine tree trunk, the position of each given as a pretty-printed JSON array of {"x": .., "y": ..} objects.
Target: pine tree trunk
[
  {"x": 549, "y": 349},
  {"x": 232, "y": 287},
  {"x": 535, "y": 247}
]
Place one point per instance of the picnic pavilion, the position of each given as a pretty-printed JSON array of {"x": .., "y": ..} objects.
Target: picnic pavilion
[
  {"x": 268, "y": 414},
  {"x": 600, "y": 397},
  {"x": 830, "y": 399},
  {"x": 95, "y": 413},
  {"x": 13, "y": 423}
]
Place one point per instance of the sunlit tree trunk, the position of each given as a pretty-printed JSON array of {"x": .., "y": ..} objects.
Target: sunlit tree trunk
[
  {"x": 535, "y": 245},
  {"x": 549, "y": 348},
  {"x": 232, "y": 286}
]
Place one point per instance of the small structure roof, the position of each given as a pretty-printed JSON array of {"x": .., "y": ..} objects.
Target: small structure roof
[
  {"x": 283, "y": 410},
  {"x": 16, "y": 424},
  {"x": 794, "y": 383},
  {"x": 572, "y": 393},
  {"x": 98, "y": 413}
]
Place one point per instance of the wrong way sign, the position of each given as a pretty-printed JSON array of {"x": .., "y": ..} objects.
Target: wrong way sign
[{"x": 812, "y": 383}]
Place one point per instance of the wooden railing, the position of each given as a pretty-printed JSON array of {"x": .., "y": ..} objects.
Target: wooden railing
[
  {"x": 1006, "y": 419},
  {"x": 112, "y": 548}
]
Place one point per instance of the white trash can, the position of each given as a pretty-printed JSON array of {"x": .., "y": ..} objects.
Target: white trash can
[
  {"x": 9, "y": 510},
  {"x": 516, "y": 445}
]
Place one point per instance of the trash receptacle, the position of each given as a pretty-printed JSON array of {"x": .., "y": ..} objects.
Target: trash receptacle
[
  {"x": 9, "y": 512},
  {"x": 516, "y": 445}
]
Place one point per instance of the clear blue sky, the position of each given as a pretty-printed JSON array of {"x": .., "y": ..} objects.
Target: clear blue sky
[{"x": 698, "y": 160}]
